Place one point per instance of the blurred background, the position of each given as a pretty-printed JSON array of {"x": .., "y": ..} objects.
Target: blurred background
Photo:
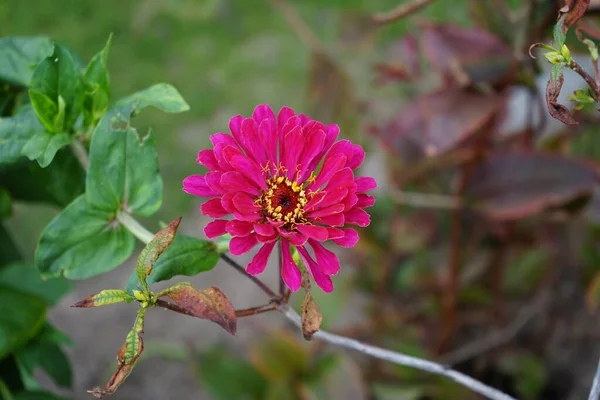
[{"x": 483, "y": 248}]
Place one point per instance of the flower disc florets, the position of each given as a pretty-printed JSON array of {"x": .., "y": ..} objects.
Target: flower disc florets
[{"x": 284, "y": 179}]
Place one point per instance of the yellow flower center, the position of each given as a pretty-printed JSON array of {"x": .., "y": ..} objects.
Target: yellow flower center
[{"x": 284, "y": 200}]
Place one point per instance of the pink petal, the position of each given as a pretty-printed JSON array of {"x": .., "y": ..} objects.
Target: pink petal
[
  {"x": 349, "y": 240},
  {"x": 331, "y": 220},
  {"x": 350, "y": 201},
  {"x": 313, "y": 143},
  {"x": 327, "y": 260},
  {"x": 364, "y": 184},
  {"x": 213, "y": 180},
  {"x": 322, "y": 212},
  {"x": 213, "y": 208},
  {"x": 262, "y": 112},
  {"x": 231, "y": 151},
  {"x": 247, "y": 217},
  {"x": 221, "y": 159},
  {"x": 267, "y": 130},
  {"x": 196, "y": 185},
  {"x": 334, "y": 233},
  {"x": 266, "y": 239},
  {"x": 333, "y": 197},
  {"x": 289, "y": 273},
  {"x": 264, "y": 229},
  {"x": 296, "y": 239},
  {"x": 234, "y": 181},
  {"x": 235, "y": 126},
  {"x": 242, "y": 245},
  {"x": 291, "y": 148},
  {"x": 343, "y": 178},
  {"x": 249, "y": 169},
  {"x": 364, "y": 200},
  {"x": 284, "y": 115},
  {"x": 244, "y": 203},
  {"x": 322, "y": 280},
  {"x": 222, "y": 138},
  {"x": 358, "y": 156},
  {"x": 215, "y": 228},
  {"x": 316, "y": 232},
  {"x": 333, "y": 163},
  {"x": 259, "y": 262},
  {"x": 253, "y": 145},
  {"x": 358, "y": 217},
  {"x": 331, "y": 134},
  {"x": 238, "y": 228},
  {"x": 207, "y": 158},
  {"x": 227, "y": 202},
  {"x": 315, "y": 200},
  {"x": 342, "y": 146}
]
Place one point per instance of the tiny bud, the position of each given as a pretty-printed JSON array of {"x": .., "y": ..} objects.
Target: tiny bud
[
  {"x": 554, "y": 57},
  {"x": 140, "y": 296},
  {"x": 565, "y": 52}
]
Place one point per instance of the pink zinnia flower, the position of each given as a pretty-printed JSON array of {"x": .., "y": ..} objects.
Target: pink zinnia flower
[{"x": 283, "y": 179}]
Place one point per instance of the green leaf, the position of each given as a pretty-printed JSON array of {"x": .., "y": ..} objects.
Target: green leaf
[
  {"x": 8, "y": 249},
  {"x": 82, "y": 242},
  {"x": 21, "y": 317},
  {"x": 20, "y": 55},
  {"x": 48, "y": 356},
  {"x": 187, "y": 256},
  {"x": 57, "y": 184},
  {"x": 162, "y": 96},
  {"x": 44, "y": 146},
  {"x": 56, "y": 90},
  {"x": 150, "y": 253},
  {"x": 97, "y": 87},
  {"x": 5, "y": 204},
  {"x": 228, "y": 378},
  {"x": 104, "y": 298},
  {"x": 15, "y": 132},
  {"x": 26, "y": 277}
]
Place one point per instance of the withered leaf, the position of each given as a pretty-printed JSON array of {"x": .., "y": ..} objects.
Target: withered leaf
[
  {"x": 403, "y": 63},
  {"x": 154, "y": 249},
  {"x": 104, "y": 298},
  {"x": 557, "y": 110},
  {"x": 127, "y": 357},
  {"x": 309, "y": 312},
  {"x": 211, "y": 304},
  {"x": 513, "y": 186},
  {"x": 571, "y": 13}
]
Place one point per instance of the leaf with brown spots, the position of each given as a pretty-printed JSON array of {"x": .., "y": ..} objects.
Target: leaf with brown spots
[
  {"x": 571, "y": 13},
  {"x": 553, "y": 88},
  {"x": 311, "y": 316},
  {"x": 104, "y": 298},
  {"x": 159, "y": 243},
  {"x": 126, "y": 359},
  {"x": 211, "y": 304}
]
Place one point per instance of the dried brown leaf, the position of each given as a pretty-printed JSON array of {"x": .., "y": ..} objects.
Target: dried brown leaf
[
  {"x": 557, "y": 110},
  {"x": 211, "y": 304},
  {"x": 572, "y": 12},
  {"x": 310, "y": 314}
]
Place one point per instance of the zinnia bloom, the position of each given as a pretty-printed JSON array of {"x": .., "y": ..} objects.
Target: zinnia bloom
[{"x": 283, "y": 179}]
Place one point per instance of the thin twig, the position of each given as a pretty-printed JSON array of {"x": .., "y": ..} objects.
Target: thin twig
[
  {"x": 595, "y": 392},
  {"x": 499, "y": 337},
  {"x": 401, "y": 11},
  {"x": 80, "y": 153},
  {"x": 254, "y": 279},
  {"x": 247, "y": 312},
  {"x": 586, "y": 77},
  {"x": 399, "y": 358}
]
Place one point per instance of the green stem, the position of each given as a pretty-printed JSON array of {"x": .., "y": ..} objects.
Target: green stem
[{"x": 139, "y": 231}]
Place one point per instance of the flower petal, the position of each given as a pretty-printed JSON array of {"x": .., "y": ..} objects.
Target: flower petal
[
  {"x": 253, "y": 145},
  {"x": 249, "y": 169},
  {"x": 328, "y": 262},
  {"x": 334, "y": 233},
  {"x": 331, "y": 220},
  {"x": 313, "y": 144},
  {"x": 213, "y": 180},
  {"x": 358, "y": 217},
  {"x": 213, "y": 208},
  {"x": 349, "y": 240},
  {"x": 364, "y": 184},
  {"x": 264, "y": 229},
  {"x": 316, "y": 232},
  {"x": 234, "y": 181},
  {"x": 332, "y": 164},
  {"x": 244, "y": 203},
  {"x": 242, "y": 245},
  {"x": 227, "y": 201},
  {"x": 364, "y": 200},
  {"x": 332, "y": 197},
  {"x": 238, "y": 228},
  {"x": 289, "y": 273},
  {"x": 296, "y": 239},
  {"x": 322, "y": 212},
  {"x": 235, "y": 126},
  {"x": 222, "y": 138},
  {"x": 358, "y": 156},
  {"x": 207, "y": 158},
  {"x": 263, "y": 112},
  {"x": 291, "y": 147},
  {"x": 259, "y": 262},
  {"x": 269, "y": 136},
  {"x": 284, "y": 115},
  {"x": 215, "y": 228},
  {"x": 196, "y": 185},
  {"x": 322, "y": 280}
]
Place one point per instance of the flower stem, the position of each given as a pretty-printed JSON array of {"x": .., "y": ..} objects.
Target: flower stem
[
  {"x": 254, "y": 279},
  {"x": 80, "y": 153},
  {"x": 139, "y": 231}
]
